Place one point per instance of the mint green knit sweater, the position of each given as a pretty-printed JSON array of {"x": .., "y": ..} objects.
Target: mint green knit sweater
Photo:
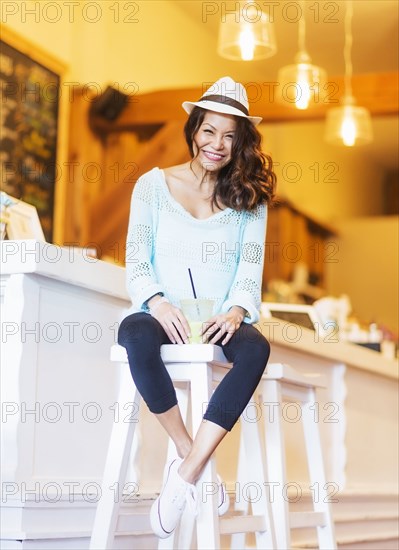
[{"x": 224, "y": 252}]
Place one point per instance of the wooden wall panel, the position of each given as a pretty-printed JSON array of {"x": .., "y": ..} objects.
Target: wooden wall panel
[{"x": 84, "y": 172}]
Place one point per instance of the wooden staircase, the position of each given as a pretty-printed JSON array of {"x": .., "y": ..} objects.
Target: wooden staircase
[{"x": 104, "y": 165}]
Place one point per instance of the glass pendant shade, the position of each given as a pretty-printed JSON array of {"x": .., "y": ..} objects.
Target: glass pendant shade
[
  {"x": 241, "y": 39},
  {"x": 348, "y": 125},
  {"x": 301, "y": 84}
]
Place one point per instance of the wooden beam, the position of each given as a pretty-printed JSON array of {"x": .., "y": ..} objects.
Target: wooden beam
[{"x": 378, "y": 92}]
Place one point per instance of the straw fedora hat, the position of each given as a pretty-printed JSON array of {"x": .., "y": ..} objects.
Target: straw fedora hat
[{"x": 224, "y": 96}]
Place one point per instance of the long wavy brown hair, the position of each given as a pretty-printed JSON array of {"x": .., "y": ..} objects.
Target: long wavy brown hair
[{"x": 248, "y": 179}]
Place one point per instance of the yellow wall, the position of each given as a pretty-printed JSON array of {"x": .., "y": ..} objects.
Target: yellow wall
[
  {"x": 367, "y": 268},
  {"x": 154, "y": 52},
  {"x": 36, "y": 23},
  {"x": 123, "y": 43},
  {"x": 327, "y": 182}
]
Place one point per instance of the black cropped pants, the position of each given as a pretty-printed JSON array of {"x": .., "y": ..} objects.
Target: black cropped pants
[{"x": 248, "y": 351}]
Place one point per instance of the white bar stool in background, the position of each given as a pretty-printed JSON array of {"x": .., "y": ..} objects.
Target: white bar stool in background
[
  {"x": 281, "y": 383},
  {"x": 200, "y": 367}
]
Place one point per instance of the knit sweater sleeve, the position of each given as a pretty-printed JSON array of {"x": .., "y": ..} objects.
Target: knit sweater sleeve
[
  {"x": 141, "y": 281},
  {"x": 246, "y": 290}
]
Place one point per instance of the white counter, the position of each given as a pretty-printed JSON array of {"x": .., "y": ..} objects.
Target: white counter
[
  {"x": 302, "y": 340},
  {"x": 65, "y": 264},
  {"x": 60, "y": 316}
]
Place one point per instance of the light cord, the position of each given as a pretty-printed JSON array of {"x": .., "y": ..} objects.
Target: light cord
[
  {"x": 348, "y": 49},
  {"x": 302, "y": 29}
]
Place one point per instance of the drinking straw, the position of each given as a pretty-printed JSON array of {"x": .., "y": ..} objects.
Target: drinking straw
[
  {"x": 192, "y": 283},
  {"x": 195, "y": 294}
]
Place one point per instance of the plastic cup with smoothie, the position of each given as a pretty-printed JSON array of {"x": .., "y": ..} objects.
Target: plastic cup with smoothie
[{"x": 196, "y": 311}]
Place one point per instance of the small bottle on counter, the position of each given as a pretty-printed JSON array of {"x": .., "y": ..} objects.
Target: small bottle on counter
[{"x": 375, "y": 335}]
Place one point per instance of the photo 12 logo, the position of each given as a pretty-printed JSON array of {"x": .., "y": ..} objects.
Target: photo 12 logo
[
  {"x": 69, "y": 11},
  {"x": 71, "y": 491},
  {"x": 252, "y": 12}
]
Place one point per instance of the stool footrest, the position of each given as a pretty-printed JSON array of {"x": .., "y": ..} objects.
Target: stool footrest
[
  {"x": 300, "y": 520},
  {"x": 286, "y": 374},
  {"x": 129, "y": 523},
  {"x": 242, "y": 524}
]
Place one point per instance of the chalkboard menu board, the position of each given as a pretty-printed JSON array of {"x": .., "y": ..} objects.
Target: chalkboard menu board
[{"x": 28, "y": 138}]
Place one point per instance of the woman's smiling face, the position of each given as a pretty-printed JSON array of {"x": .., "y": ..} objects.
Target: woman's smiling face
[{"x": 213, "y": 142}]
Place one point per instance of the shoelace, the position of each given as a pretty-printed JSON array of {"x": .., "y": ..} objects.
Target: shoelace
[{"x": 180, "y": 497}]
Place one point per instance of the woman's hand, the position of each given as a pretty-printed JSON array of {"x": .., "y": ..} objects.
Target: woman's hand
[
  {"x": 172, "y": 321},
  {"x": 223, "y": 323}
]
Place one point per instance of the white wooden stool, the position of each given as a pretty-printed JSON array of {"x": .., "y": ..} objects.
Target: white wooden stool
[
  {"x": 200, "y": 366},
  {"x": 282, "y": 383}
]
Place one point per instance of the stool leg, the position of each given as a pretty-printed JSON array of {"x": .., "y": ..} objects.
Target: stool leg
[
  {"x": 186, "y": 530},
  {"x": 116, "y": 465},
  {"x": 275, "y": 460},
  {"x": 208, "y": 536},
  {"x": 240, "y": 504},
  {"x": 186, "y": 527},
  {"x": 317, "y": 476},
  {"x": 257, "y": 484},
  {"x": 187, "y": 522}
]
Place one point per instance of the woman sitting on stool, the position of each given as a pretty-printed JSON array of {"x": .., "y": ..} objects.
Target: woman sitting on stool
[{"x": 208, "y": 215}]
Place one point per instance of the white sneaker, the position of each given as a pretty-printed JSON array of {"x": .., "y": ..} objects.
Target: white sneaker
[
  {"x": 223, "y": 498},
  {"x": 168, "y": 507}
]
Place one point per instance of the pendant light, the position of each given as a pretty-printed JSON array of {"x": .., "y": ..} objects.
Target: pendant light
[
  {"x": 301, "y": 83},
  {"x": 348, "y": 124},
  {"x": 246, "y": 34}
]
